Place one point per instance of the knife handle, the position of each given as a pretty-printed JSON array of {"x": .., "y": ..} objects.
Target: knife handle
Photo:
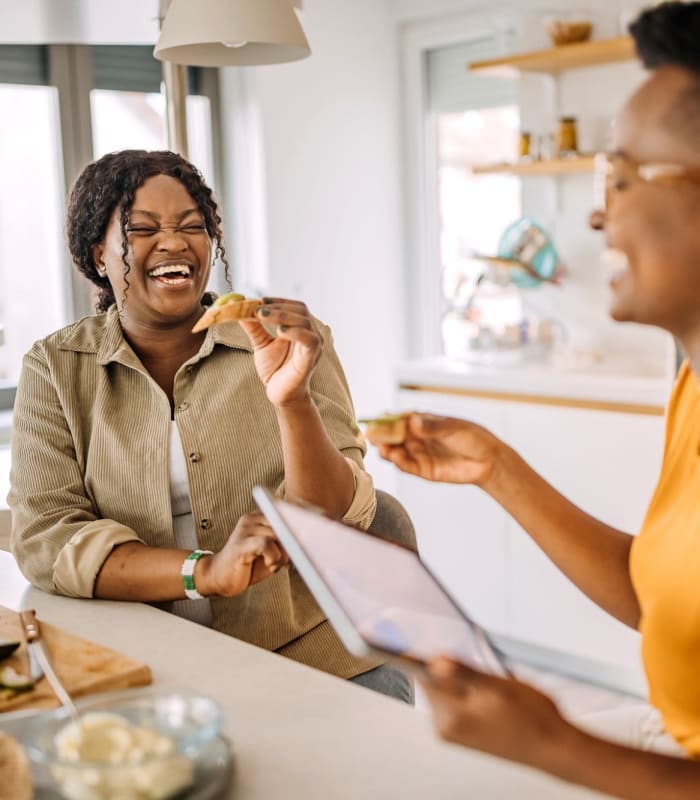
[{"x": 30, "y": 624}]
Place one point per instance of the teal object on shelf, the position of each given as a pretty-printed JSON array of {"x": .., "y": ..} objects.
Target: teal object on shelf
[{"x": 527, "y": 241}]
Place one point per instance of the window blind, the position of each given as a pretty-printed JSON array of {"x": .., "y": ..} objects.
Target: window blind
[
  {"x": 125, "y": 68},
  {"x": 24, "y": 63},
  {"x": 129, "y": 68},
  {"x": 132, "y": 68}
]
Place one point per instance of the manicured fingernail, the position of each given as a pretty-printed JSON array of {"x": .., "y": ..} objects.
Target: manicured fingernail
[{"x": 265, "y": 312}]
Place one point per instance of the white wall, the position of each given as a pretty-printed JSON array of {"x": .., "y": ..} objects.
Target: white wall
[
  {"x": 79, "y": 21},
  {"x": 332, "y": 188}
]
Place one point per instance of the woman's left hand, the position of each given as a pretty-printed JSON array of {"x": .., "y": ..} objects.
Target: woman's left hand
[
  {"x": 497, "y": 715},
  {"x": 285, "y": 361}
]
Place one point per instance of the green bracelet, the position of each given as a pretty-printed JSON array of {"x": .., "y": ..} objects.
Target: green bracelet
[{"x": 187, "y": 573}]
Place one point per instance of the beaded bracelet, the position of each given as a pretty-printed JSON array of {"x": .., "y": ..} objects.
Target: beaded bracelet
[{"x": 187, "y": 573}]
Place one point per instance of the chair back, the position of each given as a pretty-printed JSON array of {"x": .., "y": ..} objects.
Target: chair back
[{"x": 392, "y": 522}]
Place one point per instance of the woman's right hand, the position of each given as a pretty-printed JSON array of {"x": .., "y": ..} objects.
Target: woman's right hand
[
  {"x": 445, "y": 449},
  {"x": 251, "y": 555}
]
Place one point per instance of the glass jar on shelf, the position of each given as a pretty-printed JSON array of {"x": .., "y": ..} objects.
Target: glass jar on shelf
[
  {"x": 525, "y": 145},
  {"x": 567, "y": 137}
]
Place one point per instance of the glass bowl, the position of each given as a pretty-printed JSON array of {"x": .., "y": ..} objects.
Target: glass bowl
[{"x": 141, "y": 745}]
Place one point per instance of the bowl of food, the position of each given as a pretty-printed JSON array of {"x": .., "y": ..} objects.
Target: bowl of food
[
  {"x": 568, "y": 30},
  {"x": 139, "y": 744}
]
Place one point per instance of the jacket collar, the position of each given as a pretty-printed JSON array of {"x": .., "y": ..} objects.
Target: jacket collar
[{"x": 102, "y": 334}]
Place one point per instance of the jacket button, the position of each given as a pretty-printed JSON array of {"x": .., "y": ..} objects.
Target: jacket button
[
  {"x": 195, "y": 457},
  {"x": 184, "y": 405},
  {"x": 205, "y": 524}
]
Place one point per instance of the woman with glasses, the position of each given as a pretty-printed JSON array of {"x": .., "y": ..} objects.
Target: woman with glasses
[{"x": 651, "y": 582}]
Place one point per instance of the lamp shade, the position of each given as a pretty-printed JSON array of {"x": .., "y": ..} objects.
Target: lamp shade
[{"x": 214, "y": 33}]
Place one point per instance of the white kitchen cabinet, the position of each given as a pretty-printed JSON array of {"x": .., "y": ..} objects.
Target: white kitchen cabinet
[
  {"x": 603, "y": 460},
  {"x": 462, "y": 533},
  {"x": 607, "y": 463}
]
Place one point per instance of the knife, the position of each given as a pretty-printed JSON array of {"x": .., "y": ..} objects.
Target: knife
[
  {"x": 35, "y": 670},
  {"x": 39, "y": 659}
]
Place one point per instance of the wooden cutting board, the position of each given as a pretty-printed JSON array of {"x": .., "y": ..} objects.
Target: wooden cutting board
[{"x": 82, "y": 666}]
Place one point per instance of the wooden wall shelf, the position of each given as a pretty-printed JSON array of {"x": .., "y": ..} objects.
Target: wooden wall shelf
[
  {"x": 556, "y": 166},
  {"x": 558, "y": 59}
]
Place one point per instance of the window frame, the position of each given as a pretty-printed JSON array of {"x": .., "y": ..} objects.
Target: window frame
[
  {"x": 69, "y": 69},
  {"x": 423, "y": 296}
]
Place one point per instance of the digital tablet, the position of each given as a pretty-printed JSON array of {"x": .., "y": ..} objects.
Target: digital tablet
[{"x": 379, "y": 596}]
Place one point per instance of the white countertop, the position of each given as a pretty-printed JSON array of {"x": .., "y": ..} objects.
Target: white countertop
[
  {"x": 611, "y": 381},
  {"x": 297, "y": 733}
]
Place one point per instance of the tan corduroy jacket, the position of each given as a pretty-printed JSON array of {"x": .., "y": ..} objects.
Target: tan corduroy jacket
[{"x": 90, "y": 469}]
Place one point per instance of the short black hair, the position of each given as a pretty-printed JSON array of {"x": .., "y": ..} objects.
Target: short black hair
[
  {"x": 111, "y": 182},
  {"x": 669, "y": 35}
]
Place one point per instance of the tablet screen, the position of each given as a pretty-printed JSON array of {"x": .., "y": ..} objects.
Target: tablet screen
[{"x": 385, "y": 591}]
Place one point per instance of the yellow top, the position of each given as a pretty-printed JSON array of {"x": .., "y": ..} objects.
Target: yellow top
[{"x": 665, "y": 570}]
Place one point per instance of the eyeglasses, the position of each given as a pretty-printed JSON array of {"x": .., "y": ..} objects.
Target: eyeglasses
[{"x": 614, "y": 173}]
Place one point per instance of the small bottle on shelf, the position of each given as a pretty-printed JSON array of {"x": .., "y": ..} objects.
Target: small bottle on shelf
[
  {"x": 567, "y": 139},
  {"x": 524, "y": 145},
  {"x": 546, "y": 147}
]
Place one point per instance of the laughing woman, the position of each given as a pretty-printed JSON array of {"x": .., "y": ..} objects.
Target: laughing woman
[{"x": 136, "y": 442}]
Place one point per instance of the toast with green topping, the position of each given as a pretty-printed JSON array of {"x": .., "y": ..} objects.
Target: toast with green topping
[
  {"x": 231, "y": 306},
  {"x": 387, "y": 429}
]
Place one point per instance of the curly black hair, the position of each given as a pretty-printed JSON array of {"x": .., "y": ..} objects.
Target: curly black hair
[{"x": 111, "y": 182}]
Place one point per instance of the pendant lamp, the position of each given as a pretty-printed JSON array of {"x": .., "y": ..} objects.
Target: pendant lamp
[{"x": 217, "y": 33}]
